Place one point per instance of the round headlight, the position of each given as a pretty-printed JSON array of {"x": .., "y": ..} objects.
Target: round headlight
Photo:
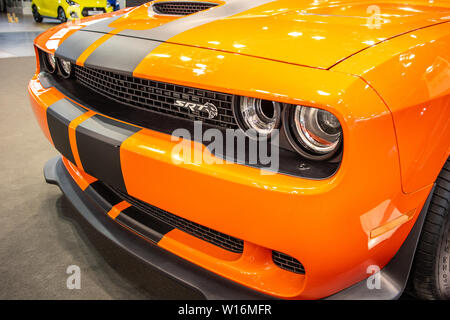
[
  {"x": 66, "y": 68},
  {"x": 314, "y": 133},
  {"x": 50, "y": 61},
  {"x": 258, "y": 117}
]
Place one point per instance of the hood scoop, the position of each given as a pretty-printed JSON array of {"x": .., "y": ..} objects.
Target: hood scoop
[{"x": 180, "y": 8}]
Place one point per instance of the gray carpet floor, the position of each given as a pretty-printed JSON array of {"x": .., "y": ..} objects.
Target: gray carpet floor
[{"x": 40, "y": 233}]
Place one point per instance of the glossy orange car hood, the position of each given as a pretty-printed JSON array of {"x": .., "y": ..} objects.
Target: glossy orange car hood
[{"x": 311, "y": 33}]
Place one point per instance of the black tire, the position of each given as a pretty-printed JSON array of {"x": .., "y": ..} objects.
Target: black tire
[
  {"x": 61, "y": 15},
  {"x": 36, "y": 16},
  {"x": 430, "y": 274}
]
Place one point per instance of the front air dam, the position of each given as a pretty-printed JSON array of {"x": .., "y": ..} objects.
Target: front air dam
[{"x": 392, "y": 277}]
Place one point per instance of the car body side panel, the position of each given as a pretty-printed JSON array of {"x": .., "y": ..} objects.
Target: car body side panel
[
  {"x": 413, "y": 78},
  {"x": 44, "y": 8}
]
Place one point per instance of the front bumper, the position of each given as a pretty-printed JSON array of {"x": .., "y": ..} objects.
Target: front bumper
[
  {"x": 73, "y": 13},
  {"x": 336, "y": 227},
  {"x": 91, "y": 205}
]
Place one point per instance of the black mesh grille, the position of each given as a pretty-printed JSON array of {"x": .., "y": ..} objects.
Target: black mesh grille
[
  {"x": 212, "y": 236},
  {"x": 181, "y": 8},
  {"x": 86, "y": 10},
  {"x": 158, "y": 96},
  {"x": 287, "y": 262}
]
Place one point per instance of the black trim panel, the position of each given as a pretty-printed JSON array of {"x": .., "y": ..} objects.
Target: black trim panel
[
  {"x": 98, "y": 141},
  {"x": 105, "y": 198},
  {"x": 59, "y": 116},
  {"x": 144, "y": 224}
]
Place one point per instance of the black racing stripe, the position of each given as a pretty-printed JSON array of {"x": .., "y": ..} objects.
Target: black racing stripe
[
  {"x": 168, "y": 30},
  {"x": 98, "y": 141},
  {"x": 77, "y": 43},
  {"x": 115, "y": 54},
  {"x": 102, "y": 25},
  {"x": 112, "y": 53},
  {"x": 144, "y": 224},
  {"x": 59, "y": 116},
  {"x": 103, "y": 196}
]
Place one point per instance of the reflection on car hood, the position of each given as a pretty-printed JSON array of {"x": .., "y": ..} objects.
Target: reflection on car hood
[{"x": 311, "y": 33}]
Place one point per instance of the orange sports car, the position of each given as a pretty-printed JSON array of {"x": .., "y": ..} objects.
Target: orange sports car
[{"x": 294, "y": 149}]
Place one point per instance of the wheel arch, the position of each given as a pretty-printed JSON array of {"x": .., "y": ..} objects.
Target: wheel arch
[{"x": 411, "y": 73}]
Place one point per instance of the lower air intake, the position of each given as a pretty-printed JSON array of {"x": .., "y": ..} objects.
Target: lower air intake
[
  {"x": 206, "y": 234},
  {"x": 181, "y": 8},
  {"x": 287, "y": 262}
]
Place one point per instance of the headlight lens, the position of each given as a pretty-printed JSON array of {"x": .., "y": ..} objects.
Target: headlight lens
[
  {"x": 72, "y": 3},
  {"x": 261, "y": 116},
  {"x": 50, "y": 62},
  {"x": 314, "y": 133},
  {"x": 66, "y": 67}
]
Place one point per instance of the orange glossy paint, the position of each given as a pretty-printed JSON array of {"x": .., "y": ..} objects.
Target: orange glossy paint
[
  {"x": 301, "y": 34},
  {"x": 79, "y": 176},
  {"x": 72, "y": 136},
  {"x": 301, "y": 28},
  {"x": 95, "y": 45},
  {"x": 325, "y": 57},
  {"x": 420, "y": 60},
  {"x": 117, "y": 209},
  {"x": 260, "y": 272},
  {"x": 40, "y": 99}
]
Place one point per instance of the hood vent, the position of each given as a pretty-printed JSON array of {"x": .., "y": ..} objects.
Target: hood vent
[{"x": 181, "y": 8}]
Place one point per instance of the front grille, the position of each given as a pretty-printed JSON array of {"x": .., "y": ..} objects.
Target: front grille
[
  {"x": 287, "y": 262},
  {"x": 159, "y": 96},
  {"x": 209, "y": 235},
  {"x": 86, "y": 10},
  {"x": 181, "y": 8}
]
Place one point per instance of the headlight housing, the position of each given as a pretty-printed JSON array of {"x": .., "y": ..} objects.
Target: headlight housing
[
  {"x": 72, "y": 3},
  {"x": 314, "y": 133},
  {"x": 258, "y": 118},
  {"x": 50, "y": 62},
  {"x": 65, "y": 67}
]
